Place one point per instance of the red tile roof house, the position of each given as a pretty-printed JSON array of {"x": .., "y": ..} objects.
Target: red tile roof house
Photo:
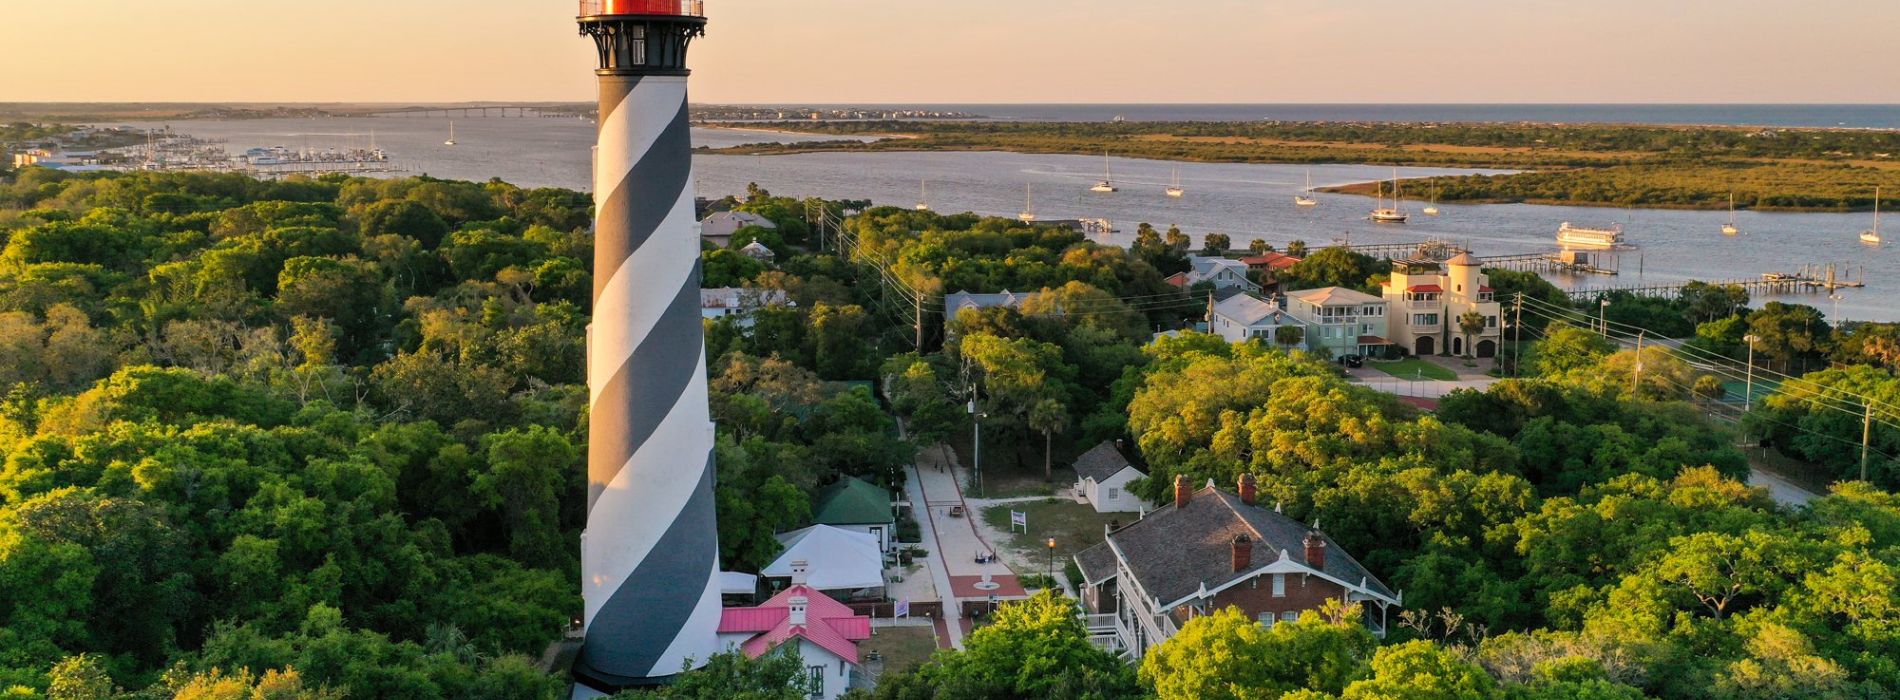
[
  {"x": 825, "y": 630},
  {"x": 1267, "y": 267},
  {"x": 1270, "y": 261},
  {"x": 1211, "y": 549}
]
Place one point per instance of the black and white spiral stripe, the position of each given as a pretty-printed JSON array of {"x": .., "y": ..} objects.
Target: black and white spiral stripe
[{"x": 649, "y": 557}]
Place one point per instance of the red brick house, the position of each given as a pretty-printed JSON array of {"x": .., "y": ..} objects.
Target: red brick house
[{"x": 1211, "y": 549}]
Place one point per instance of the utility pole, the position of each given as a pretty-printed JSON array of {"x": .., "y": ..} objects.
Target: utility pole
[
  {"x": 976, "y": 448},
  {"x": 920, "y": 323},
  {"x": 1517, "y": 344},
  {"x": 1749, "y": 399},
  {"x": 1866, "y": 436},
  {"x": 1637, "y": 375}
]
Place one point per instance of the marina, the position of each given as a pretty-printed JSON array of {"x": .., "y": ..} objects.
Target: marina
[{"x": 164, "y": 150}]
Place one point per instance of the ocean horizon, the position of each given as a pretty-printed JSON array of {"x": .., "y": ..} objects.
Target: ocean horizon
[{"x": 1852, "y": 116}]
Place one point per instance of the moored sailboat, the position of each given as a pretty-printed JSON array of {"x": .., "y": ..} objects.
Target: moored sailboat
[
  {"x": 1306, "y": 198},
  {"x": 1394, "y": 214},
  {"x": 1729, "y": 228},
  {"x": 1872, "y": 236},
  {"x": 1108, "y": 182}
]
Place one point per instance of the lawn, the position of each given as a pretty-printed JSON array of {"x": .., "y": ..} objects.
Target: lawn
[
  {"x": 902, "y": 647},
  {"x": 1009, "y": 473},
  {"x": 1075, "y": 527},
  {"x": 1414, "y": 368}
]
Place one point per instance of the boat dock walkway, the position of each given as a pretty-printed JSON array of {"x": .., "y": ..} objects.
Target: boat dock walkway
[
  {"x": 1545, "y": 262},
  {"x": 1810, "y": 278},
  {"x": 1436, "y": 249},
  {"x": 1433, "y": 249}
]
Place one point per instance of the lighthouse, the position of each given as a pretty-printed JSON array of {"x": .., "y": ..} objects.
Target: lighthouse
[{"x": 650, "y": 551}]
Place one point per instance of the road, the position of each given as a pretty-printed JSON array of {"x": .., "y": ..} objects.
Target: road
[{"x": 1782, "y": 490}]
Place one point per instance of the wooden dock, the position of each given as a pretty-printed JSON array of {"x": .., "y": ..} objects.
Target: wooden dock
[
  {"x": 1432, "y": 249},
  {"x": 1548, "y": 262},
  {"x": 1808, "y": 279}
]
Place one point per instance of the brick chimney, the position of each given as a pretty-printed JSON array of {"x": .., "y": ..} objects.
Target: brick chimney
[
  {"x": 1182, "y": 491},
  {"x": 1315, "y": 550},
  {"x": 1247, "y": 490},
  {"x": 1243, "y": 552},
  {"x": 797, "y": 613}
]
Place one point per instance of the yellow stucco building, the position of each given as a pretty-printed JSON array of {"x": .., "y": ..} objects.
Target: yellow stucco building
[{"x": 1427, "y": 297}]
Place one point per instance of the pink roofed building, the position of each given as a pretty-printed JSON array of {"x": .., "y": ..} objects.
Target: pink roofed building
[{"x": 826, "y": 632}]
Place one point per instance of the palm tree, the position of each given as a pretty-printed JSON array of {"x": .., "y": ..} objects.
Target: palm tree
[
  {"x": 1472, "y": 323},
  {"x": 1048, "y": 417}
]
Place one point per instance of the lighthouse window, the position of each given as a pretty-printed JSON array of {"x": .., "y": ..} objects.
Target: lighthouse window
[{"x": 637, "y": 45}]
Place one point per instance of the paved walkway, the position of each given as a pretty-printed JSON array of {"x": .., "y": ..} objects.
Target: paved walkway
[
  {"x": 960, "y": 539},
  {"x": 939, "y": 575}
]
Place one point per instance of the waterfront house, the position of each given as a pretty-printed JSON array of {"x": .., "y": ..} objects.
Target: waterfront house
[
  {"x": 1340, "y": 321},
  {"x": 1267, "y": 267},
  {"x": 1428, "y": 297},
  {"x": 859, "y": 506},
  {"x": 1245, "y": 317},
  {"x": 1223, "y": 273},
  {"x": 1101, "y": 478},
  {"x": 824, "y": 632},
  {"x": 1209, "y": 550}
]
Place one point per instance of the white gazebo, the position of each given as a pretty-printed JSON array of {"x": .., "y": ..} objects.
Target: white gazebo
[{"x": 833, "y": 559}]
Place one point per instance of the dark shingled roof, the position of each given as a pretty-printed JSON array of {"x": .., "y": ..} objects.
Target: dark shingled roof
[
  {"x": 1174, "y": 551},
  {"x": 1097, "y": 563},
  {"x": 1101, "y": 462}
]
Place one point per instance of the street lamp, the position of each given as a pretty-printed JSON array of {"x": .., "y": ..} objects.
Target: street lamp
[
  {"x": 1050, "y": 562},
  {"x": 1603, "y": 315}
]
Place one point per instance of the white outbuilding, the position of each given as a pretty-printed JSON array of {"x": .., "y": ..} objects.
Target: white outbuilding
[{"x": 1101, "y": 478}]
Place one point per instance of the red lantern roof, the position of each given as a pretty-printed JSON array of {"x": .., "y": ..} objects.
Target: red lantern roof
[{"x": 687, "y": 8}]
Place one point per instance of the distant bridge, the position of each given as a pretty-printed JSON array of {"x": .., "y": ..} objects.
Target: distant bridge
[{"x": 536, "y": 111}]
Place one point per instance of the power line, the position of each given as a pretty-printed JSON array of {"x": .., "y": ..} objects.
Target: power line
[
  {"x": 1818, "y": 399},
  {"x": 1718, "y": 362}
]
